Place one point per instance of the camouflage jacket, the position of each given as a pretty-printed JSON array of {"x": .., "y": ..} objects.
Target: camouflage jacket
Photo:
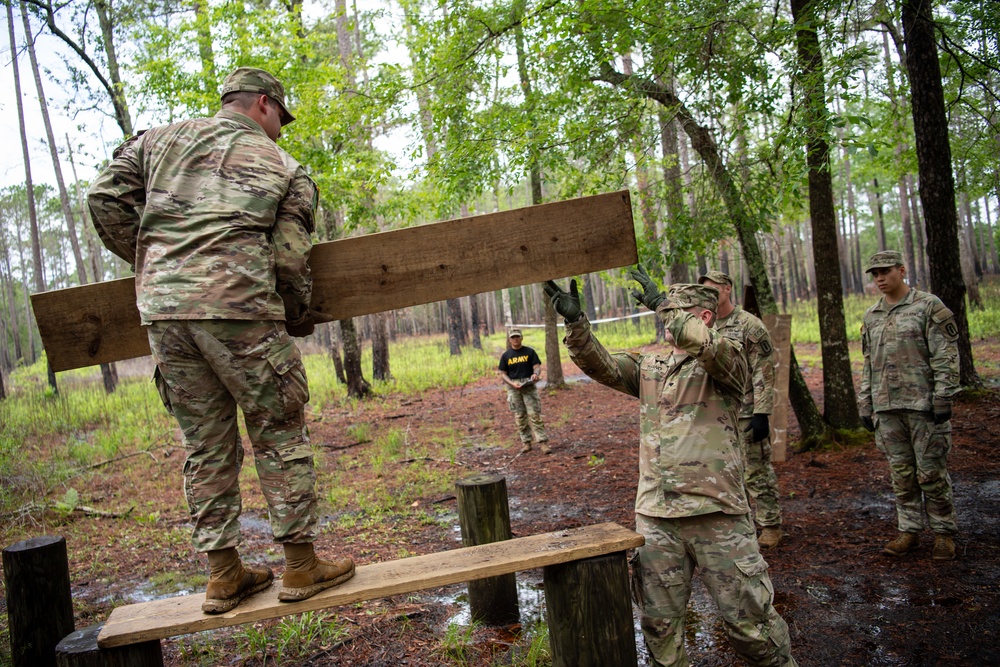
[
  {"x": 911, "y": 355},
  {"x": 689, "y": 455},
  {"x": 214, "y": 217},
  {"x": 750, "y": 332}
]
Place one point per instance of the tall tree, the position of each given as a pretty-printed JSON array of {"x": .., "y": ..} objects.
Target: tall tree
[
  {"x": 839, "y": 398},
  {"x": 937, "y": 182},
  {"x": 108, "y": 372}
]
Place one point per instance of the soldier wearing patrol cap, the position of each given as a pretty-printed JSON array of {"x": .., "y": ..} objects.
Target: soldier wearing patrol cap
[
  {"x": 757, "y": 405},
  {"x": 216, "y": 220},
  {"x": 909, "y": 378},
  {"x": 520, "y": 368},
  {"x": 691, "y": 505}
]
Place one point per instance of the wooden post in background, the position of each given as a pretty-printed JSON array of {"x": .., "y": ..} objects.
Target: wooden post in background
[
  {"x": 79, "y": 649},
  {"x": 780, "y": 328},
  {"x": 484, "y": 518},
  {"x": 39, "y": 602},
  {"x": 590, "y": 613}
]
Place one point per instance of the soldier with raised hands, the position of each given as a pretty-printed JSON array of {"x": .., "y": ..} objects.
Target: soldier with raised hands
[
  {"x": 909, "y": 339},
  {"x": 691, "y": 504}
]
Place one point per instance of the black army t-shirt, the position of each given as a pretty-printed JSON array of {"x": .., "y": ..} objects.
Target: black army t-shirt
[{"x": 519, "y": 364}]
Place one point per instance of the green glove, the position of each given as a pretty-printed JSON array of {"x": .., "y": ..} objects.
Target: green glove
[
  {"x": 650, "y": 296},
  {"x": 566, "y": 304}
]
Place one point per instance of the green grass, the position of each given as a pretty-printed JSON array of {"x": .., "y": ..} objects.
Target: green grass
[{"x": 805, "y": 315}]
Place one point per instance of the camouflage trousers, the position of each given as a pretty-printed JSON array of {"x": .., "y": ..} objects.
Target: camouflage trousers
[
  {"x": 761, "y": 480},
  {"x": 723, "y": 547},
  {"x": 917, "y": 451},
  {"x": 526, "y": 405},
  {"x": 204, "y": 370}
]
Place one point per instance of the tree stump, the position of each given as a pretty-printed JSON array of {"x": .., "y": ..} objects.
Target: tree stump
[
  {"x": 484, "y": 518},
  {"x": 39, "y": 602},
  {"x": 79, "y": 649},
  {"x": 590, "y": 613}
]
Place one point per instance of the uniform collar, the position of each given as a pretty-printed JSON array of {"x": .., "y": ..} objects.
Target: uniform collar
[
  {"x": 250, "y": 123},
  {"x": 884, "y": 305}
]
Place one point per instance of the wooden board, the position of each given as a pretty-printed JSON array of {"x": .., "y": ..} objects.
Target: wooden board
[
  {"x": 780, "y": 328},
  {"x": 99, "y": 323},
  {"x": 182, "y": 615}
]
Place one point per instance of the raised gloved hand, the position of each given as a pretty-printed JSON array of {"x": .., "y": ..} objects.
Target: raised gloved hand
[
  {"x": 566, "y": 304},
  {"x": 941, "y": 415},
  {"x": 759, "y": 428},
  {"x": 868, "y": 423},
  {"x": 650, "y": 296}
]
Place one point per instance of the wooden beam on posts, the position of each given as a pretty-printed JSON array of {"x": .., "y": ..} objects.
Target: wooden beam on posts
[
  {"x": 99, "y": 323},
  {"x": 79, "y": 649},
  {"x": 39, "y": 601},
  {"x": 484, "y": 517},
  {"x": 590, "y": 613}
]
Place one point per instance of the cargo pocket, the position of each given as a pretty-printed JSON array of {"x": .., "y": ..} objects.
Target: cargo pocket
[
  {"x": 290, "y": 378},
  {"x": 756, "y": 591},
  {"x": 162, "y": 390},
  {"x": 938, "y": 441}
]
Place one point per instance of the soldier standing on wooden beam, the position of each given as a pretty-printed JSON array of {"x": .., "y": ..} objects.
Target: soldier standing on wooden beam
[
  {"x": 691, "y": 503},
  {"x": 216, "y": 220},
  {"x": 757, "y": 405}
]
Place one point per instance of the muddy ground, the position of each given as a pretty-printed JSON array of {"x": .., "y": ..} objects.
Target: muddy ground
[{"x": 846, "y": 603}]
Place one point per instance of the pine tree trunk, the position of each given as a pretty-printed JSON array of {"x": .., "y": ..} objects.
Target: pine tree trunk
[
  {"x": 454, "y": 327},
  {"x": 380, "y": 347},
  {"x": 477, "y": 342},
  {"x": 357, "y": 385},
  {"x": 839, "y": 398},
  {"x": 937, "y": 184},
  {"x": 36, "y": 244}
]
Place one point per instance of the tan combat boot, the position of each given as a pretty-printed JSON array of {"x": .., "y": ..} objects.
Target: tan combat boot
[
  {"x": 770, "y": 537},
  {"x": 525, "y": 448},
  {"x": 944, "y": 547},
  {"x": 306, "y": 575},
  {"x": 904, "y": 543},
  {"x": 544, "y": 446},
  {"x": 230, "y": 581}
]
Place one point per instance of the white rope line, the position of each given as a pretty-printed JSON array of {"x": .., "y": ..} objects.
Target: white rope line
[{"x": 607, "y": 319}]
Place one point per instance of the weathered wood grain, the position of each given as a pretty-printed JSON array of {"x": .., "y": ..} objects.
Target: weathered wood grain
[
  {"x": 99, "y": 323},
  {"x": 182, "y": 615}
]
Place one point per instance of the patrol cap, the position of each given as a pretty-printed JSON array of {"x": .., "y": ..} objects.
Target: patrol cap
[
  {"x": 884, "y": 260},
  {"x": 515, "y": 332},
  {"x": 717, "y": 277},
  {"x": 685, "y": 295},
  {"x": 253, "y": 80}
]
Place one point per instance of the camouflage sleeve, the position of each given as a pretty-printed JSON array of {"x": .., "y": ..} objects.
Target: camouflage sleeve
[
  {"x": 942, "y": 344},
  {"x": 761, "y": 359},
  {"x": 113, "y": 199},
  {"x": 721, "y": 357},
  {"x": 618, "y": 371},
  {"x": 293, "y": 226},
  {"x": 865, "y": 392}
]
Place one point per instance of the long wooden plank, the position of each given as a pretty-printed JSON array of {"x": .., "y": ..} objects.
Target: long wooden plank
[
  {"x": 780, "y": 328},
  {"x": 182, "y": 615},
  {"x": 92, "y": 324}
]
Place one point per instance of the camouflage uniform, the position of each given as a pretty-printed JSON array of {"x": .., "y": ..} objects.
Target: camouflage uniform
[
  {"x": 911, "y": 372},
  {"x": 526, "y": 405},
  {"x": 761, "y": 480},
  {"x": 690, "y": 505},
  {"x": 216, "y": 219}
]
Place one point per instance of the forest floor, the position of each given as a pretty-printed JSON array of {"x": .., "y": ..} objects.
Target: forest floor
[{"x": 845, "y": 601}]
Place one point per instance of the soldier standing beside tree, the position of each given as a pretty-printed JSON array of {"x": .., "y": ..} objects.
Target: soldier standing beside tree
[
  {"x": 758, "y": 403},
  {"x": 909, "y": 378},
  {"x": 520, "y": 368}
]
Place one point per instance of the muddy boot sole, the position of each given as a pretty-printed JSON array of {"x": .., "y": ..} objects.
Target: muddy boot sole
[
  {"x": 215, "y": 606},
  {"x": 305, "y": 592}
]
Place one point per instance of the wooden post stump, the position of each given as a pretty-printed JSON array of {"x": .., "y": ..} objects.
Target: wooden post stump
[
  {"x": 484, "y": 518},
  {"x": 39, "y": 602},
  {"x": 79, "y": 649},
  {"x": 590, "y": 613}
]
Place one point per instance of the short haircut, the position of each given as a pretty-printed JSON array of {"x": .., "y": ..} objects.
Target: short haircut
[{"x": 243, "y": 99}]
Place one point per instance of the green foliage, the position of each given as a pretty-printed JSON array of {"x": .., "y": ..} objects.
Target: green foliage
[
  {"x": 294, "y": 638},
  {"x": 456, "y": 643}
]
